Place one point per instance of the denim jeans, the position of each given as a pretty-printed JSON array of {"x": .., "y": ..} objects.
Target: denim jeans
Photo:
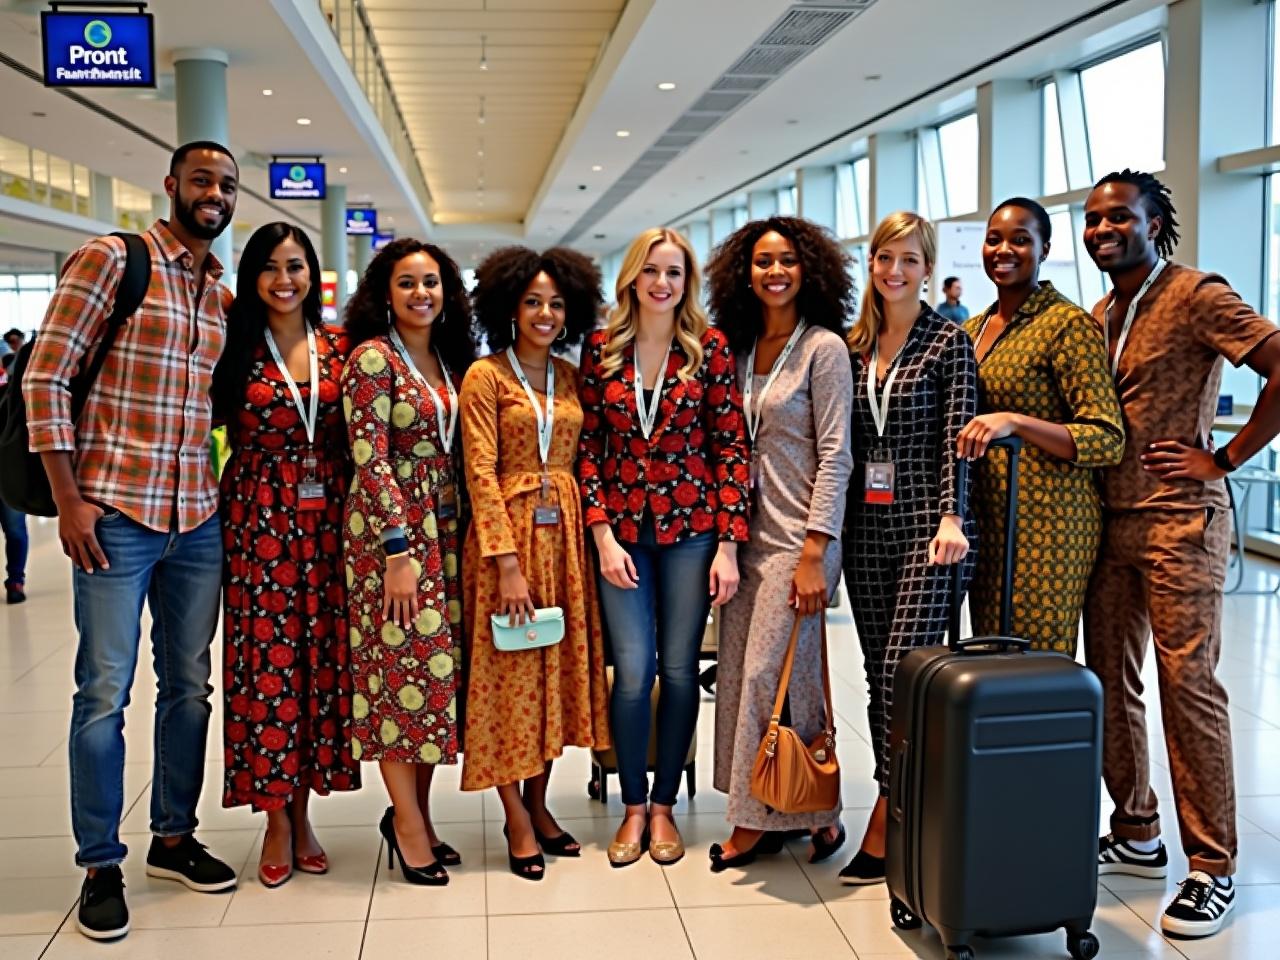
[
  {"x": 16, "y": 544},
  {"x": 656, "y": 630},
  {"x": 179, "y": 575}
]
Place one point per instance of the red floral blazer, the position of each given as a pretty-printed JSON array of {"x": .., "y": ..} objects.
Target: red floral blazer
[{"x": 692, "y": 472}]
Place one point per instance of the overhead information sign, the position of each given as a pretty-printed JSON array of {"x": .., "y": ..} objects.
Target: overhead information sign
[
  {"x": 296, "y": 181},
  {"x": 98, "y": 49}
]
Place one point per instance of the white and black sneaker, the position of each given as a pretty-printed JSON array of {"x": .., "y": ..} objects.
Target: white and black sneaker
[
  {"x": 189, "y": 863},
  {"x": 1200, "y": 907},
  {"x": 1117, "y": 856},
  {"x": 103, "y": 914}
]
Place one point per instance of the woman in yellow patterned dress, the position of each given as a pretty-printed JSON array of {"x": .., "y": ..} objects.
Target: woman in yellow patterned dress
[
  {"x": 1042, "y": 376},
  {"x": 520, "y": 423},
  {"x": 410, "y": 329}
]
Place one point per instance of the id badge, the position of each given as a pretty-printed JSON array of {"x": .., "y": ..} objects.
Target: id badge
[
  {"x": 878, "y": 484},
  {"x": 447, "y": 502},
  {"x": 310, "y": 490},
  {"x": 753, "y": 484},
  {"x": 546, "y": 512}
]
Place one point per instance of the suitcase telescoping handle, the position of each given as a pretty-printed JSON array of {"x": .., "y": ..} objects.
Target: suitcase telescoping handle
[{"x": 1014, "y": 447}]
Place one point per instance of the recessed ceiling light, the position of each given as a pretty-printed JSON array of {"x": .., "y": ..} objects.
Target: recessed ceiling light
[
  {"x": 666, "y": 85},
  {"x": 342, "y": 169},
  {"x": 304, "y": 121},
  {"x": 479, "y": 153},
  {"x": 596, "y": 168},
  {"x": 624, "y": 133},
  {"x": 267, "y": 91}
]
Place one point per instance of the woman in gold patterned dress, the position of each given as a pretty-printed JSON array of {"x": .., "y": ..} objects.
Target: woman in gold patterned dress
[{"x": 1042, "y": 376}]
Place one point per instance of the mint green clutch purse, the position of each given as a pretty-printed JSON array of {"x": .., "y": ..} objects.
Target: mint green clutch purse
[{"x": 546, "y": 630}]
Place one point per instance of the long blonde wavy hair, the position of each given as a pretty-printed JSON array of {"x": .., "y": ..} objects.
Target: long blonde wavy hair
[
  {"x": 624, "y": 319},
  {"x": 896, "y": 226}
]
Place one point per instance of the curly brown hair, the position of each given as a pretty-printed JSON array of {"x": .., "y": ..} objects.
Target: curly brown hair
[
  {"x": 827, "y": 293},
  {"x": 368, "y": 310},
  {"x": 504, "y": 276}
]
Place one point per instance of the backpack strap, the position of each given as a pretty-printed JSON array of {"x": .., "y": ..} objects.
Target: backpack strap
[{"x": 130, "y": 293}]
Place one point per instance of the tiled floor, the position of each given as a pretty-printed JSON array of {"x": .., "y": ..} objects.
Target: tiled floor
[{"x": 779, "y": 908}]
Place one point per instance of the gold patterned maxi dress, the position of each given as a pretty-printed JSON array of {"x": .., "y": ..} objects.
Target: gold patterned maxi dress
[
  {"x": 1050, "y": 363},
  {"x": 525, "y": 707}
]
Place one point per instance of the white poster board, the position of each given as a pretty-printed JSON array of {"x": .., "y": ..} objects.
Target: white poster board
[{"x": 960, "y": 255}]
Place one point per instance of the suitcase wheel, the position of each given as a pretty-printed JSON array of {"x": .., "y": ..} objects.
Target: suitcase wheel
[
  {"x": 960, "y": 952},
  {"x": 1082, "y": 947},
  {"x": 903, "y": 918},
  {"x": 593, "y": 789}
]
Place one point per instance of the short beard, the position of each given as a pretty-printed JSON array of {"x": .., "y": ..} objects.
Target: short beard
[{"x": 186, "y": 215}]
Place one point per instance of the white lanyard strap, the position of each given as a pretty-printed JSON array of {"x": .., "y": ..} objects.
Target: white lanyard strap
[
  {"x": 880, "y": 410},
  {"x": 649, "y": 412},
  {"x": 449, "y": 428},
  {"x": 755, "y": 411},
  {"x": 309, "y": 413},
  {"x": 1128, "y": 316},
  {"x": 546, "y": 421}
]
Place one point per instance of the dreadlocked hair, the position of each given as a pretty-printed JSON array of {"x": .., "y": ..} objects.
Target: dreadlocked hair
[{"x": 1159, "y": 203}]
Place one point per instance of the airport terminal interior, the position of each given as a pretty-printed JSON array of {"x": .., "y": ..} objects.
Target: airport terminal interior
[{"x": 477, "y": 124}]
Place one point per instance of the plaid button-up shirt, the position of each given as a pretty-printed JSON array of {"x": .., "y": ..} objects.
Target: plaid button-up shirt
[{"x": 141, "y": 444}]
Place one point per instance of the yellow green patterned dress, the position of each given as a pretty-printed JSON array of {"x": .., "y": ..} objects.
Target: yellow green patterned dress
[{"x": 1049, "y": 363}]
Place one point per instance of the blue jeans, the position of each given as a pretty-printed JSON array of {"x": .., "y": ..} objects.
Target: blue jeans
[
  {"x": 656, "y": 630},
  {"x": 16, "y": 544},
  {"x": 180, "y": 576}
]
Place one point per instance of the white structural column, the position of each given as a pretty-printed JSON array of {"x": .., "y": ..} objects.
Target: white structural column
[
  {"x": 816, "y": 195},
  {"x": 1008, "y": 142},
  {"x": 363, "y": 253},
  {"x": 721, "y": 225},
  {"x": 200, "y": 89},
  {"x": 333, "y": 239},
  {"x": 762, "y": 204},
  {"x": 1213, "y": 111},
  {"x": 159, "y": 206},
  {"x": 699, "y": 235},
  {"x": 893, "y": 174},
  {"x": 102, "y": 197}
]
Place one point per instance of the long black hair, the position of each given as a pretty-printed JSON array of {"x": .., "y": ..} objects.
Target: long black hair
[
  {"x": 247, "y": 318},
  {"x": 369, "y": 309},
  {"x": 1158, "y": 199}
]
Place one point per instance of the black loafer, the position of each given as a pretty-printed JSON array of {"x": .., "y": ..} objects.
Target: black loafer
[{"x": 863, "y": 870}]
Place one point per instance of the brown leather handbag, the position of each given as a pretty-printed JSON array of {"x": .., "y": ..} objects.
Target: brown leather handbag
[{"x": 790, "y": 776}]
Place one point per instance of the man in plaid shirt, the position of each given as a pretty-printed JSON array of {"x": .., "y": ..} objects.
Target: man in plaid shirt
[{"x": 137, "y": 515}]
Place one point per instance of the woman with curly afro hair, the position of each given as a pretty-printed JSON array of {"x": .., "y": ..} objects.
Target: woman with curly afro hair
[
  {"x": 663, "y": 468},
  {"x": 781, "y": 292},
  {"x": 410, "y": 329},
  {"x": 525, "y": 551}
]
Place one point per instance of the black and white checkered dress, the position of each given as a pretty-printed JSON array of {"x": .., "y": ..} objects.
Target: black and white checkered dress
[{"x": 899, "y": 600}]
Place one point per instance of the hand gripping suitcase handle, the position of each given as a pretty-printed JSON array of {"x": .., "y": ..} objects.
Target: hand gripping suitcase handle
[{"x": 1014, "y": 447}]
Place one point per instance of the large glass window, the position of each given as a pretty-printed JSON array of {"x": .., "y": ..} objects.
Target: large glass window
[
  {"x": 1124, "y": 110},
  {"x": 1060, "y": 266},
  {"x": 853, "y": 198},
  {"x": 24, "y": 298},
  {"x": 958, "y": 141},
  {"x": 1055, "y": 166}
]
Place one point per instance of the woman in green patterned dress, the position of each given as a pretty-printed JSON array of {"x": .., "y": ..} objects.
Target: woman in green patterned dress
[{"x": 1042, "y": 376}]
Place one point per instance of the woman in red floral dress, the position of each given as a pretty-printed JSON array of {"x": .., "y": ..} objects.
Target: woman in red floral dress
[
  {"x": 286, "y": 677},
  {"x": 410, "y": 329}
]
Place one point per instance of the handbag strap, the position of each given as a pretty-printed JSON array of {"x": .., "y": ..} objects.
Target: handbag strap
[{"x": 784, "y": 681}]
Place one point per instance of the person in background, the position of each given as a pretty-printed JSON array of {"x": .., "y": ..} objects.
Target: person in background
[
  {"x": 781, "y": 292},
  {"x": 409, "y": 324},
  {"x": 915, "y": 388},
  {"x": 286, "y": 674},
  {"x": 525, "y": 548},
  {"x": 951, "y": 308},
  {"x": 137, "y": 515},
  {"x": 663, "y": 466},
  {"x": 1042, "y": 376},
  {"x": 14, "y": 339},
  {"x": 1166, "y": 536}
]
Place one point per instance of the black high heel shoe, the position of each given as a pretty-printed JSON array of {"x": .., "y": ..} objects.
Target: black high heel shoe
[
  {"x": 441, "y": 851},
  {"x": 432, "y": 875},
  {"x": 824, "y": 848},
  {"x": 527, "y": 868},
  {"x": 561, "y": 846},
  {"x": 769, "y": 843}
]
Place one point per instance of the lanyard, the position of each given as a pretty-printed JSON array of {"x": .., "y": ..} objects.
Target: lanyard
[
  {"x": 546, "y": 422},
  {"x": 754, "y": 412},
  {"x": 310, "y": 413},
  {"x": 880, "y": 410},
  {"x": 448, "y": 430},
  {"x": 649, "y": 414},
  {"x": 1128, "y": 316}
]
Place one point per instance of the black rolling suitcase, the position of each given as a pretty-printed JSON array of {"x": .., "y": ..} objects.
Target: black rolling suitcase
[{"x": 995, "y": 765}]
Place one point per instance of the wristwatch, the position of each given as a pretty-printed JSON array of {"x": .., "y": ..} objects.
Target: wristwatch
[{"x": 1222, "y": 461}]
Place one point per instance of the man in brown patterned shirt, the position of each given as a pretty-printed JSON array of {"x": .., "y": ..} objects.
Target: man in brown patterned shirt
[{"x": 1166, "y": 536}]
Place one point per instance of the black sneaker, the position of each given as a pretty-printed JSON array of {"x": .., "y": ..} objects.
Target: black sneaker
[
  {"x": 863, "y": 870},
  {"x": 1117, "y": 856},
  {"x": 1200, "y": 907},
  {"x": 190, "y": 863},
  {"x": 14, "y": 593},
  {"x": 103, "y": 914}
]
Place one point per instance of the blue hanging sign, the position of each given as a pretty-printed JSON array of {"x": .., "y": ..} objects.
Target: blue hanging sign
[
  {"x": 361, "y": 222},
  {"x": 98, "y": 49},
  {"x": 380, "y": 240},
  {"x": 296, "y": 180}
]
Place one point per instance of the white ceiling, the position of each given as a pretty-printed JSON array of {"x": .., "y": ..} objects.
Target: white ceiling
[{"x": 564, "y": 77}]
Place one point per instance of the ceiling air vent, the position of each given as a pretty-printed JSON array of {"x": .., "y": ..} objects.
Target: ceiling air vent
[{"x": 806, "y": 28}]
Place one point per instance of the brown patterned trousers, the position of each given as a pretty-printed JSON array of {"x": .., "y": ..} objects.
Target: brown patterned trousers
[{"x": 1159, "y": 576}]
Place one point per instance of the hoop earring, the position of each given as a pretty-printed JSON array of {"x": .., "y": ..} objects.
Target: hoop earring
[
  {"x": 513, "y": 332},
  {"x": 563, "y": 335}
]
